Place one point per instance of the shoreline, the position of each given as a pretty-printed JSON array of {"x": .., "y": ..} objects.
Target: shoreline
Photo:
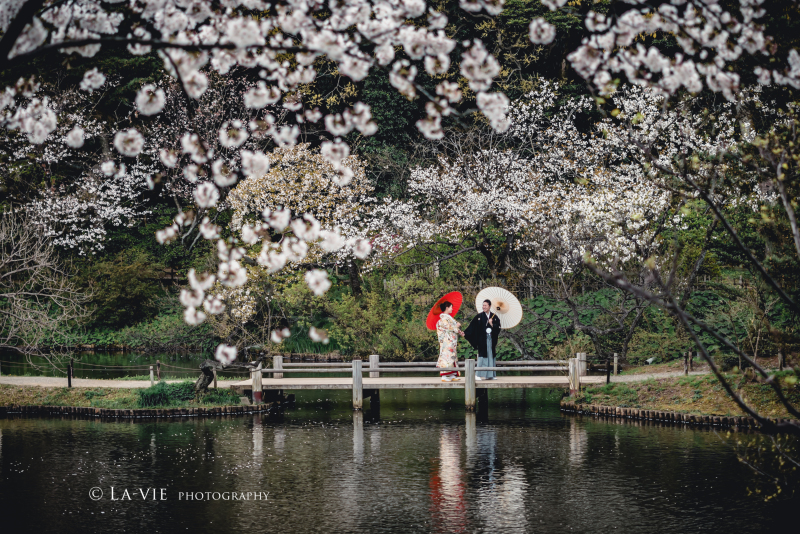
[
  {"x": 733, "y": 422},
  {"x": 137, "y": 413}
]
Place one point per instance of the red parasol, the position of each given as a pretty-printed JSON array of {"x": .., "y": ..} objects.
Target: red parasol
[{"x": 454, "y": 298}]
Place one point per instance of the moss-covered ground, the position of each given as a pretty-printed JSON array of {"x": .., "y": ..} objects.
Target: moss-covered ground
[
  {"x": 113, "y": 398},
  {"x": 701, "y": 395}
]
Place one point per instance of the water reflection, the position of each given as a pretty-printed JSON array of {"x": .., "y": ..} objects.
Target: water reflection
[
  {"x": 258, "y": 438},
  {"x": 577, "y": 441},
  {"x": 358, "y": 436},
  {"x": 447, "y": 484},
  {"x": 420, "y": 468},
  {"x": 279, "y": 439}
]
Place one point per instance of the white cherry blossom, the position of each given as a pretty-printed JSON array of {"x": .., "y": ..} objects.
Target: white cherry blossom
[
  {"x": 206, "y": 195},
  {"x": 541, "y": 32},
  {"x": 317, "y": 281},
  {"x": 75, "y": 137},
  {"x": 150, "y": 100},
  {"x": 318, "y": 335},
  {"x": 92, "y": 79},
  {"x": 129, "y": 142},
  {"x": 225, "y": 354}
]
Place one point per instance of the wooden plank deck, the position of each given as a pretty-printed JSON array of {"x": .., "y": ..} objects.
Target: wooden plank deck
[{"x": 411, "y": 382}]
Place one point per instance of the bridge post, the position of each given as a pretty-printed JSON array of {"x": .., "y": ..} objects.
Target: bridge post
[
  {"x": 616, "y": 364},
  {"x": 574, "y": 378},
  {"x": 583, "y": 364},
  {"x": 358, "y": 391},
  {"x": 257, "y": 387},
  {"x": 685, "y": 364},
  {"x": 374, "y": 363},
  {"x": 469, "y": 385},
  {"x": 277, "y": 363}
]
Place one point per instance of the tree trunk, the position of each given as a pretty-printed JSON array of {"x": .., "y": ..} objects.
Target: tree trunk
[
  {"x": 206, "y": 374},
  {"x": 355, "y": 279},
  {"x": 208, "y": 366}
]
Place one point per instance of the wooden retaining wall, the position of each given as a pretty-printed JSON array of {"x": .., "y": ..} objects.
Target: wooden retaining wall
[
  {"x": 109, "y": 413},
  {"x": 733, "y": 422}
]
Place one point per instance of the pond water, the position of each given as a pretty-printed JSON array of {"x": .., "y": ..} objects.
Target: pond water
[{"x": 420, "y": 465}]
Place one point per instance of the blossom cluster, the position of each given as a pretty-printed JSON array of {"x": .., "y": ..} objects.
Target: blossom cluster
[
  {"x": 560, "y": 193},
  {"x": 565, "y": 175}
]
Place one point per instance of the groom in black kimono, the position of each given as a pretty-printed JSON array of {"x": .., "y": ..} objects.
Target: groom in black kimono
[{"x": 482, "y": 334}]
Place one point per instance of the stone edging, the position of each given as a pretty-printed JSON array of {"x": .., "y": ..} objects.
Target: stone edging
[
  {"x": 661, "y": 415},
  {"x": 134, "y": 414}
]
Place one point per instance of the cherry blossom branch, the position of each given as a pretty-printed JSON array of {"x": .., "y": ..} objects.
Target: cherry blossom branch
[{"x": 23, "y": 17}]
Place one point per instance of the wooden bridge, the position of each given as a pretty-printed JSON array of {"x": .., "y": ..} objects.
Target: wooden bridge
[{"x": 574, "y": 374}]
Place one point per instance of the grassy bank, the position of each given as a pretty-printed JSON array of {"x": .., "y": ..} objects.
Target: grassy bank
[
  {"x": 161, "y": 395},
  {"x": 699, "y": 395}
]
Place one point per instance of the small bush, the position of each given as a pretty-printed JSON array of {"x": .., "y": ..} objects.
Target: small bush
[
  {"x": 92, "y": 393},
  {"x": 726, "y": 362},
  {"x": 220, "y": 396},
  {"x": 664, "y": 346},
  {"x": 124, "y": 288},
  {"x": 163, "y": 394}
]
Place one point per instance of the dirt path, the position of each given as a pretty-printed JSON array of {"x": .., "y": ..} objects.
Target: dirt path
[{"x": 58, "y": 382}]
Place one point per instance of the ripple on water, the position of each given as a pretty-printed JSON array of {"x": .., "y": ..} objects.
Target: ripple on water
[{"x": 422, "y": 465}]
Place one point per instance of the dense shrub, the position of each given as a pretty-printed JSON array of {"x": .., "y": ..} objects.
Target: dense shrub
[
  {"x": 665, "y": 346},
  {"x": 726, "y": 362},
  {"x": 220, "y": 396},
  {"x": 123, "y": 289},
  {"x": 163, "y": 394}
]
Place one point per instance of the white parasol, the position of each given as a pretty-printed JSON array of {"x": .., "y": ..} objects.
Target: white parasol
[{"x": 504, "y": 304}]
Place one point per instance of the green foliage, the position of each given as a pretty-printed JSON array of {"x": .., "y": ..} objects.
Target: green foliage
[
  {"x": 163, "y": 394},
  {"x": 710, "y": 267},
  {"x": 664, "y": 346},
  {"x": 220, "y": 397},
  {"x": 164, "y": 332},
  {"x": 92, "y": 393},
  {"x": 725, "y": 361},
  {"x": 58, "y": 397},
  {"x": 624, "y": 396},
  {"x": 124, "y": 288},
  {"x": 540, "y": 337},
  {"x": 168, "y": 331},
  {"x": 374, "y": 324}
]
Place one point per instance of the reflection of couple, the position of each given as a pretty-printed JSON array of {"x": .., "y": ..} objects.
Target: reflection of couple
[{"x": 481, "y": 333}]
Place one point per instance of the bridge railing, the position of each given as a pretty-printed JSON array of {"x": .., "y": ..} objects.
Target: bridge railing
[
  {"x": 279, "y": 367},
  {"x": 576, "y": 368}
]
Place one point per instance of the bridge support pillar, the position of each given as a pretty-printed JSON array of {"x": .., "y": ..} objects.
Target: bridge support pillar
[
  {"x": 574, "y": 377},
  {"x": 257, "y": 387},
  {"x": 277, "y": 363},
  {"x": 358, "y": 389},
  {"x": 469, "y": 385}
]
